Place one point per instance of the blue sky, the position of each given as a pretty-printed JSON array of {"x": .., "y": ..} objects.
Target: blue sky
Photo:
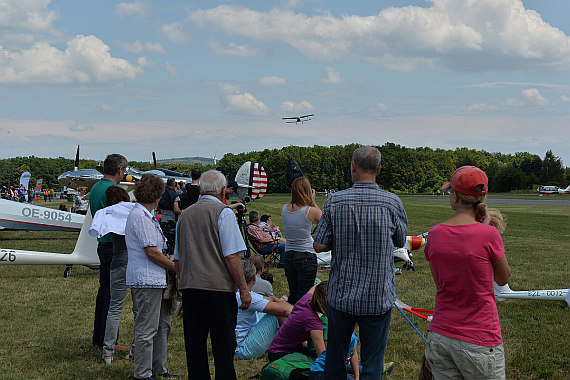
[{"x": 192, "y": 78}]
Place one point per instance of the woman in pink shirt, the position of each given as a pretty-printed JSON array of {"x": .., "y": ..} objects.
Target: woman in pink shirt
[{"x": 465, "y": 257}]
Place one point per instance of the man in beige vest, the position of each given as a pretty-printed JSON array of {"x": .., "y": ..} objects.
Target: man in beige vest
[{"x": 208, "y": 263}]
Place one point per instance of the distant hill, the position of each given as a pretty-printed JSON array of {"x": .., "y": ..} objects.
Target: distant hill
[{"x": 187, "y": 161}]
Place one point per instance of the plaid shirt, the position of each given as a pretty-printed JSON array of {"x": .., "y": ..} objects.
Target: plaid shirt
[
  {"x": 259, "y": 234},
  {"x": 363, "y": 224}
]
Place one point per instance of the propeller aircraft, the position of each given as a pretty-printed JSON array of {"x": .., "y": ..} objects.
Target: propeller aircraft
[{"x": 297, "y": 119}]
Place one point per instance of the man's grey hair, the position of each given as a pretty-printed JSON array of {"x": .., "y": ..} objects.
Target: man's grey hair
[
  {"x": 253, "y": 216},
  {"x": 113, "y": 162},
  {"x": 170, "y": 182},
  {"x": 368, "y": 159},
  {"x": 248, "y": 270},
  {"x": 213, "y": 182}
]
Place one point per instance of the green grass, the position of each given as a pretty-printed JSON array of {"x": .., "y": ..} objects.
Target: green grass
[{"x": 47, "y": 320}]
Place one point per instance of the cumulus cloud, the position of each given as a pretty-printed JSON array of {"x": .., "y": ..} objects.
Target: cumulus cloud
[
  {"x": 332, "y": 76},
  {"x": 244, "y": 103},
  {"x": 86, "y": 59},
  {"x": 231, "y": 49},
  {"x": 144, "y": 62},
  {"x": 565, "y": 98},
  {"x": 20, "y": 21},
  {"x": 460, "y": 35},
  {"x": 533, "y": 96},
  {"x": 138, "y": 47},
  {"x": 302, "y": 106},
  {"x": 137, "y": 9},
  {"x": 271, "y": 81},
  {"x": 175, "y": 32},
  {"x": 229, "y": 88}
]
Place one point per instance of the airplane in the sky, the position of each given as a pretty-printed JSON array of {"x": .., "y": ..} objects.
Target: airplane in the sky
[{"x": 297, "y": 119}]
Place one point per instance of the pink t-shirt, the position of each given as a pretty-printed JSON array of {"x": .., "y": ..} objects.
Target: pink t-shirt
[
  {"x": 297, "y": 327},
  {"x": 462, "y": 258}
]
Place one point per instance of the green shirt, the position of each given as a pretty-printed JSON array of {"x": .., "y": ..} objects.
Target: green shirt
[{"x": 98, "y": 200}]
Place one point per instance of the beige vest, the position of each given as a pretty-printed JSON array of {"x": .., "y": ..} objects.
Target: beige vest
[{"x": 202, "y": 264}]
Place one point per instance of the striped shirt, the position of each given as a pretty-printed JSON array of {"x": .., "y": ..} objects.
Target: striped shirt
[{"x": 363, "y": 224}]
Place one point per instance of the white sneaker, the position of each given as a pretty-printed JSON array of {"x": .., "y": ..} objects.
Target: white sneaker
[{"x": 108, "y": 359}]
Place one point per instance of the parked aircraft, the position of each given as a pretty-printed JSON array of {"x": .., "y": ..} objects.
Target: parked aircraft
[
  {"x": 85, "y": 253},
  {"x": 79, "y": 177},
  {"x": 24, "y": 216},
  {"x": 564, "y": 191},
  {"x": 548, "y": 190}
]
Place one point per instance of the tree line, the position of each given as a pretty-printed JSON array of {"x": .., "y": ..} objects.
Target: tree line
[{"x": 404, "y": 170}]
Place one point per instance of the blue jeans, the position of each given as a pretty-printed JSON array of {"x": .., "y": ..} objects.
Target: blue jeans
[
  {"x": 279, "y": 249},
  {"x": 258, "y": 338},
  {"x": 373, "y": 339},
  {"x": 105, "y": 253},
  {"x": 301, "y": 271}
]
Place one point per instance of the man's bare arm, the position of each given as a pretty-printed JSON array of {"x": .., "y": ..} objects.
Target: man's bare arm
[{"x": 233, "y": 263}]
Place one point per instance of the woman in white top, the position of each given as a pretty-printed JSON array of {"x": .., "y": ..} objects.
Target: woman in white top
[{"x": 298, "y": 217}]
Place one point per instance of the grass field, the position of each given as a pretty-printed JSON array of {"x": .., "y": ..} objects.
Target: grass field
[{"x": 47, "y": 320}]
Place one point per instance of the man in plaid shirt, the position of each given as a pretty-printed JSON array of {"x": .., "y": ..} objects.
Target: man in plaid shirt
[{"x": 361, "y": 225}]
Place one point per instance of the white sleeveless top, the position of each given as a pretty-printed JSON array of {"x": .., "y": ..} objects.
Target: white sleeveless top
[{"x": 297, "y": 229}]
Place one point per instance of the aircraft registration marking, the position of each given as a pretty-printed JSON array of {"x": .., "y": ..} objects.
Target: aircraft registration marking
[
  {"x": 47, "y": 214},
  {"x": 6, "y": 255}
]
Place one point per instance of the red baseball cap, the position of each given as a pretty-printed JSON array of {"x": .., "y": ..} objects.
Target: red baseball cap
[{"x": 466, "y": 178}]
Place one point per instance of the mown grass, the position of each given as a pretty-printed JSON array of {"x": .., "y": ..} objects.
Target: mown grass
[{"x": 47, "y": 320}]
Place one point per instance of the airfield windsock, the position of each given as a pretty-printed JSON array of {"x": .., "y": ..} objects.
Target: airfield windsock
[{"x": 25, "y": 179}]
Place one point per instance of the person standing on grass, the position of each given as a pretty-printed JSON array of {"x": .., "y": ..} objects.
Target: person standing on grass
[
  {"x": 361, "y": 225},
  {"x": 464, "y": 338},
  {"x": 208, "y": 263},
  {"x": 114, "y": 168},
  {"x": 300, "y": 258}
]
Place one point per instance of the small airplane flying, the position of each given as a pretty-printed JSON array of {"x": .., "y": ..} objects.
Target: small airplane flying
[
  {"x": 24, "y": 216},
  {"x": 297, "y": 119}
]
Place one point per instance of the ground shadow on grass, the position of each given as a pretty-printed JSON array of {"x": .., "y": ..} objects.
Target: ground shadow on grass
[{"x": 76, "y": 358}]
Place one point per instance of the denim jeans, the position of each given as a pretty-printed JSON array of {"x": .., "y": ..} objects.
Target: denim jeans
[
  {"x": 118, "y": 293},
  {"x": 278, "y": 249},
  {"x": 105, "y": 253},
  {"x": 373, "y": 338},
  {"x": 301, "y": 271}
]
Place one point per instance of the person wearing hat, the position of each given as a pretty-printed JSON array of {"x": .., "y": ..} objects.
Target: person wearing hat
[{"x": 466, "y": 256}]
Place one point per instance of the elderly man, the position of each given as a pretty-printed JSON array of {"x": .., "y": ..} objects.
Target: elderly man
[
  {"x": 361, "y": 225},
  {"x": 114, "y": 168},
  {"x": 261, "y": 286},
  {"x": 208, "y": 263},
  {"x": 264, "y": 240},
  {"x": 254, "y": 335}
]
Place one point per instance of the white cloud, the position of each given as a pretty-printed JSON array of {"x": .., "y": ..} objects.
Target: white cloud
[
  {"x": 271, "y": 81},
  {"x": 533, "y": 96},
  {"x": 565, "y": 98},
  {"x": 244, "y": 103},
  {"x": 20, "y": 21},
  {"x": 229, "y": 88},
  {"x": 137, "y": 9},
  {"x": 175, "y": 32},
  {"x": 106, "y": 107},
  {"x": 291, "y": 106},
  {"x": 144, "y": 62},
  {"x": 460, "y": 35},
  {"x": 332, "y": 77},
  {"x": 86, "y": 59},
  {"x": 171, "y": 69},
  {"x": 231, "y": 49},
  {"x": 138, "y": 47}
]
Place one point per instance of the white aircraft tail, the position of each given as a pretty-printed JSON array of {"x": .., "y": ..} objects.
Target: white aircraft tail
[
  {"x": 504, "y": 292},
  {"x": 85, "y": 252}
]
